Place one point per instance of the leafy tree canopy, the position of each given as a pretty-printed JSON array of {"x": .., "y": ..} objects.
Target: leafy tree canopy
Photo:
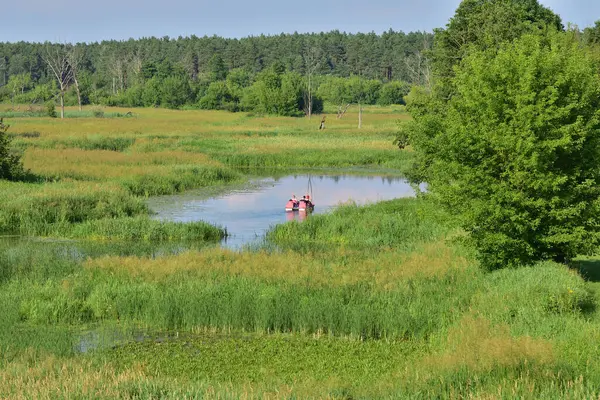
[
  {"x": 483, "y": 24},
  {"x": 514, "y": 152}
]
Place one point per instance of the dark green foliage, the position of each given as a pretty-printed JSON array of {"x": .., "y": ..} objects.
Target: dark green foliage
[
  {"x": 116, "y": 72},
  {"x": 402, "y": 139},
  {"x": 353, "y": 90},
  {"x": 218, "y": 97},
  {"x": 592, "y": 34},
  {"x": 151, "y": 94},
  {"x": 512, "y": 152},
  {"x": 275, "y": 92},
  {"x": 175, "y": 92},
  {"x": 393, "y": 93},
  {"x": 484, "y": 24},
  {"x": 217, "y": 68},
  {"x": 11, "y": 167}
]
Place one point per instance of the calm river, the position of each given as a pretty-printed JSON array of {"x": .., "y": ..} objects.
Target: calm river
[{"x": 249, "y": 213}]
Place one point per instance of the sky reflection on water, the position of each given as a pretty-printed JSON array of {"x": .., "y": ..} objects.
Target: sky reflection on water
[{"x": 248, "y": 214}]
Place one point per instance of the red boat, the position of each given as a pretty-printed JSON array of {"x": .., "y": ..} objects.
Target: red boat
[{"x": 304, "y": 204}]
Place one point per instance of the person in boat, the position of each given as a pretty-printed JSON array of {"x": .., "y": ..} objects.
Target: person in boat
[{"x": 306, "y": 200}]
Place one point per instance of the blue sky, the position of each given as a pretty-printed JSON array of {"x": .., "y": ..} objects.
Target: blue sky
[{"x": 86, "y": 21}]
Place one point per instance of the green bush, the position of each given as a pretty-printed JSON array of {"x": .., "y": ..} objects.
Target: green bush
[
  {"x": 393, "y": 93},
  {"x": 11, "y": 167},
  {"x": 51, "y": 109}
]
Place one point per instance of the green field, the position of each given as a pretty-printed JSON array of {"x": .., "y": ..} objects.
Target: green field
[{"x": 378, "y": 301}]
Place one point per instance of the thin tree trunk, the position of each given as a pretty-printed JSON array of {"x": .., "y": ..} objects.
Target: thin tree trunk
[
  {"x": 359, "y": 116},
  {"x": 78, "y": 92},
  {"x": 309, "y": 97},
  {"x": 62, "y": 104},
  {"x": 342, "y": 112}
]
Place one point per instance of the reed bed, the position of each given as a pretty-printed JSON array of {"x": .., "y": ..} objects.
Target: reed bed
[
  {"x": 144, "y": 228},
  {"x": 36, "y": 210}
]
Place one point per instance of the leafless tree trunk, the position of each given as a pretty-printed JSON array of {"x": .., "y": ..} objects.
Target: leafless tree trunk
[
  {"x": 359, "y": 115},
  {"x": 342, "y": 111},
  {"x": 135, "y": 65},
  {"x": 117, "y": 67},
  {"x": 58, "y": 61},
  {"x": 75, "y": 58},
  {"x": 311, "y": 61},
  {"x": 418, "y": 66},
  {"x": 361, "y": 94}
]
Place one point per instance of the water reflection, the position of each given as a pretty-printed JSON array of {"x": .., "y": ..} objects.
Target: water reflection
[{"x": 248, "y": 214}]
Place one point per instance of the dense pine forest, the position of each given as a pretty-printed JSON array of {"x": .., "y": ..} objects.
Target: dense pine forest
[{"x": 215, "y": 73}]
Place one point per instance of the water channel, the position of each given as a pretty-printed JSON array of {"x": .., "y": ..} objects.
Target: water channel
[{"x": 248, "y": 213}]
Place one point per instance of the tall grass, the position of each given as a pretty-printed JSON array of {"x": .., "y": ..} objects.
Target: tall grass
[
  {"x": 35, "y": 210},
  {"x": 144, "y": 228},
  {"x": 400, "y": 223}
]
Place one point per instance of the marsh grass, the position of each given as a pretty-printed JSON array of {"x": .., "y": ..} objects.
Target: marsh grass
[
  {"x": 366, "y": 302},
  {"x": 36, "y": 209},
  {"x": 144, "y": 228},
  {"x": 400, "y": 223}
]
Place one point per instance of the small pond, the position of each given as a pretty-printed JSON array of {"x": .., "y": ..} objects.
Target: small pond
[{"x": 248, "y": 213}]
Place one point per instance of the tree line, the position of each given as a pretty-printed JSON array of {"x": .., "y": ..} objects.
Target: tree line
[{"x": 215, "y": 72}]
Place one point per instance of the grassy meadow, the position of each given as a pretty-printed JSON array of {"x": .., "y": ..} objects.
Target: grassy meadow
[{"x": 376, "y": 301}]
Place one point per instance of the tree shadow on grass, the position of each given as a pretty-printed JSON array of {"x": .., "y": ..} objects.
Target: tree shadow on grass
[{"x": 588, "y": 268}]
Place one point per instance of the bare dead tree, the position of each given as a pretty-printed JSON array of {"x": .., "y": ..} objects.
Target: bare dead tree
[
  {"x": 57, "y": 58},
  {"x": 117, "y": 66},
  {"x": 135, "y": 65},
  {"x": 312, "y": 61},
  {"x": 342, "y": 110},
  {"x": 75, "y": 57},
  {"x": 419, "y": 66}
]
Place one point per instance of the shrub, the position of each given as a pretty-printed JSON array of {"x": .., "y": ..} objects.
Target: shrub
[
  {"x": 51, "y": 109},
  {"x": 11, "y": 167},
  {"x": 98, "y": 112}
]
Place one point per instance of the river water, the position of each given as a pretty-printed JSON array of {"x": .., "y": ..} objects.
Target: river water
[{"x": 248, "y": 213}]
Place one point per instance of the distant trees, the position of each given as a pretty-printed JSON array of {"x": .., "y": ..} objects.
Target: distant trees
[
  {"x": 393, "y": 93},
  {"x": 354, "y": 90},
  {"x": 75, "y": 57},
  {"x": 18, "y": 83},
  {"x": 592, "y": 34},
  {"x": 275, "y": 91},
  {"x": 117, "y": 72}
]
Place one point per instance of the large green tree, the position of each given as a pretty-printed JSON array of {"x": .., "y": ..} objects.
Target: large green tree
[{"x": 515, "y": 152}]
